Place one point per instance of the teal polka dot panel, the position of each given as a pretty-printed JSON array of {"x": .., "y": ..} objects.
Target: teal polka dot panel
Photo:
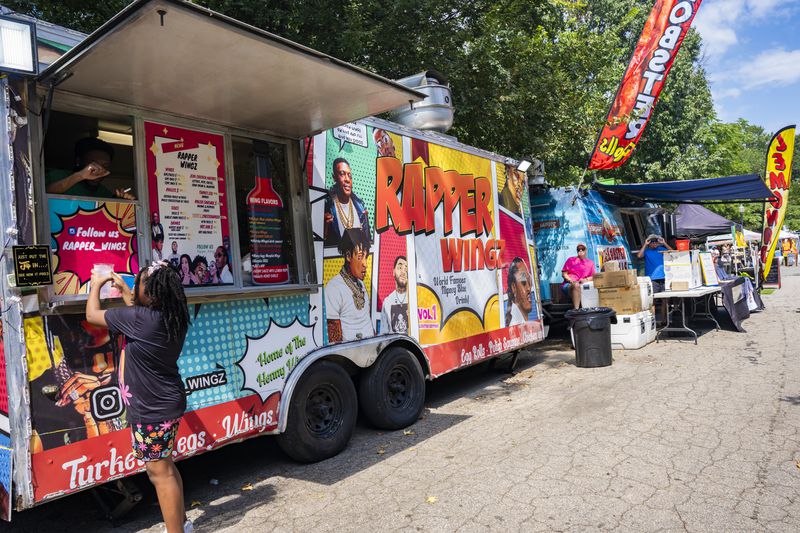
[
  {"x": 362, "y": 165},
  {"x": 5, "y": 463},
  {"x": 217, "y": 339}
]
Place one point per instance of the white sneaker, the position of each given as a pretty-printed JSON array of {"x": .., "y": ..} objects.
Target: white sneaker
[{"x": 188, "y": 527}]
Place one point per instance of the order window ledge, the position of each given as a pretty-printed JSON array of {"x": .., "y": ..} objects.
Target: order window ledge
[{"x": 71, "y": 303}]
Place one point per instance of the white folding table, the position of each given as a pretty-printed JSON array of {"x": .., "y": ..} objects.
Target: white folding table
[{"x": 681, "y": 296}]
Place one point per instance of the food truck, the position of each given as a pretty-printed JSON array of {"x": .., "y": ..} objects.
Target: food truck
[
  {"x": 565, "y": 216},
  {"x": 331, "y": 262}
]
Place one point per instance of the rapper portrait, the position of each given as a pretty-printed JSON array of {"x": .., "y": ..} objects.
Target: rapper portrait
[
  {"x": 346, "y": 299},
  {"x": 343, "y": 209},
  {"x": 394, "y": 311},
  {"x": 519, "y": 303},
  {"x": 511, "y": 195}
]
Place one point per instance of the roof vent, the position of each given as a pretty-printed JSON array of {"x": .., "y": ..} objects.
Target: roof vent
[{"x": 435, "y": 112}]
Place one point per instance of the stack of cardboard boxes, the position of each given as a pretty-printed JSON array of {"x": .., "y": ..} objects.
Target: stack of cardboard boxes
[
  {"x": 632, "y": 299},
  {"x": 621, "y": 292}
]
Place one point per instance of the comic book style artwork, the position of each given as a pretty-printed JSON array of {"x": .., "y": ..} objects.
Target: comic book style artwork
[{"x": 439, "y": 230}]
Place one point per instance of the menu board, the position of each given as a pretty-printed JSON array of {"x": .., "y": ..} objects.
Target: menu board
[
  {"x": 773, "y": 278},
  {"x": 188, "y": 210}
]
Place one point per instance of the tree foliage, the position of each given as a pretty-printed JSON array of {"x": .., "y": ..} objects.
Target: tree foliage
[{"x": 529, "y": 77}]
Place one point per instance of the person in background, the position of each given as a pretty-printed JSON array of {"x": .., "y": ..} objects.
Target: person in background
[
  {"x": 794, "y": 251},
  {"x": 154, "y": 321},
  {"x": 577, "y": 270},
  {"x": 654, "y": 260},
  {"x": 92, "y": 162},
  {"x": 786, "y": 249}
]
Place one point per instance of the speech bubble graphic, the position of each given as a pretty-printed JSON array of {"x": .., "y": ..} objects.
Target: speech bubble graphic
[
  {"x": 268, "y": 359},
  {"x": 94, "y": 236},
  {"x": 351, "y": 133}
]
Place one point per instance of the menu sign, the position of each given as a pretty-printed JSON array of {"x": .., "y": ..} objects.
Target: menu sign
[
  {"x": 32, "y": 265},
  {"x": 188, "y": 211}
]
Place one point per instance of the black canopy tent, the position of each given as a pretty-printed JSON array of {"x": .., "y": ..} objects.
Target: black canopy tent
[
  {"x": 695, "y": 221},
  {"x": 740, "y": 189}
]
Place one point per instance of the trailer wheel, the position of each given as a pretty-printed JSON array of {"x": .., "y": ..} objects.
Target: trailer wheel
[
  {"x": 392, "y": 391},
  {"x": 322, "y": 414}
]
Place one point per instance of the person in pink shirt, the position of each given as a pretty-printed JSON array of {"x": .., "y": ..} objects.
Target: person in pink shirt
[{"x": 576, "y": 270}]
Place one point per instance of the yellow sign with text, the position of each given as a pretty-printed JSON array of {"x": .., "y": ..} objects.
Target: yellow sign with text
[{"x": 778, "y": 177}]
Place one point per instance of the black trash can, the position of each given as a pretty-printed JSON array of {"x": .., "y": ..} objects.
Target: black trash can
[{"x": 591, "y": 333}]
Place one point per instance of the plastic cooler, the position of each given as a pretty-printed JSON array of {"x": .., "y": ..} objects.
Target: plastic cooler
[{"x": 632, "y": 332}]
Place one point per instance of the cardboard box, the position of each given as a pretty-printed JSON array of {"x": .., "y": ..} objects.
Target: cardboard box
[
  {"x": 679, "y": 286},
  {"x": 623, "y": 300},
  {"x": 682, "y": 270},
  {"x": 612, "y": 266},
  {"x": 620, "y": 278}
]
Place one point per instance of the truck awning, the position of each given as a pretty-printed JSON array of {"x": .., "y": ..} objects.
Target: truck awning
[
  {"x": 745, "y": 188},
  {"x": 176, "y": 57}
]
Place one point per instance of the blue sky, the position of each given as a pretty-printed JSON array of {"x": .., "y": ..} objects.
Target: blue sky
[{"x": 752, "y": 58}]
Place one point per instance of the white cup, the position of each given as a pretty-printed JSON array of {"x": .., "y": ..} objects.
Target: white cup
[{"x": 104, "y": 269}]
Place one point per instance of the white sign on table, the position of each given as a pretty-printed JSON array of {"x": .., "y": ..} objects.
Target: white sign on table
[{"x": 709, "y": 272}]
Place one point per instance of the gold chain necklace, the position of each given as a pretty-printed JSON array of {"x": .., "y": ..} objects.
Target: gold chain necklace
[
  {"x": 347, "y": 221},
  {"x": 355, "y": 288}
]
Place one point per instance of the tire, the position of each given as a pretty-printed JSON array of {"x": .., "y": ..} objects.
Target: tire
[
  {"x": 392, "y": 391},
  {"x": 322, "y": 414}
]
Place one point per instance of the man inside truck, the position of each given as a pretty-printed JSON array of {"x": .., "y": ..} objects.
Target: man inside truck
[
  {"x": 346, "y": 300},
  {"x": 93, "y": 159}
]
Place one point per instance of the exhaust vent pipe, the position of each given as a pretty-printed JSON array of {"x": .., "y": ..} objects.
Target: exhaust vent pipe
[{"x": 435, "y": 112}]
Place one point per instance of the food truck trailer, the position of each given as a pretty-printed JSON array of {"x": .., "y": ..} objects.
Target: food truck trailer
[{"x": 331, "y": 262}]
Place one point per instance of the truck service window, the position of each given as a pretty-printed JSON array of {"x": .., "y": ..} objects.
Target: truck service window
[
  {"x": 91, "y": 198},
  {"x": 262, "y": 197}
]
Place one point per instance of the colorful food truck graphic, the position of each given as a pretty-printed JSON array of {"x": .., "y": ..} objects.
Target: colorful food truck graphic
[{"x": 329, "y": 268}]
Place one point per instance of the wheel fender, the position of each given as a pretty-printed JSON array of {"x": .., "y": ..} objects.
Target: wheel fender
[{"x": 361, "y": 353}]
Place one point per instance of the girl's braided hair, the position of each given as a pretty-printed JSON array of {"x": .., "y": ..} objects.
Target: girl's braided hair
[{"x": 163, "y": 286}]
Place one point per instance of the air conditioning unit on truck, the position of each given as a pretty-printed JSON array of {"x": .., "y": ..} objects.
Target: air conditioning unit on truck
[{"x": 328, "y": 268}]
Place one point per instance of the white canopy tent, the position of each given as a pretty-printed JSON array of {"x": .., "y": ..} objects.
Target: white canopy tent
[{"x": 749, "y": 236}]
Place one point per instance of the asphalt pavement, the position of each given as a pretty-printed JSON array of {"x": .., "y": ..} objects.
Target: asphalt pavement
[{"x": 672, "y": 437}]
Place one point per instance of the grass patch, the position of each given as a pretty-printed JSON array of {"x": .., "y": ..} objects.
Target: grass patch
[{"x": 767, "y": 291}]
